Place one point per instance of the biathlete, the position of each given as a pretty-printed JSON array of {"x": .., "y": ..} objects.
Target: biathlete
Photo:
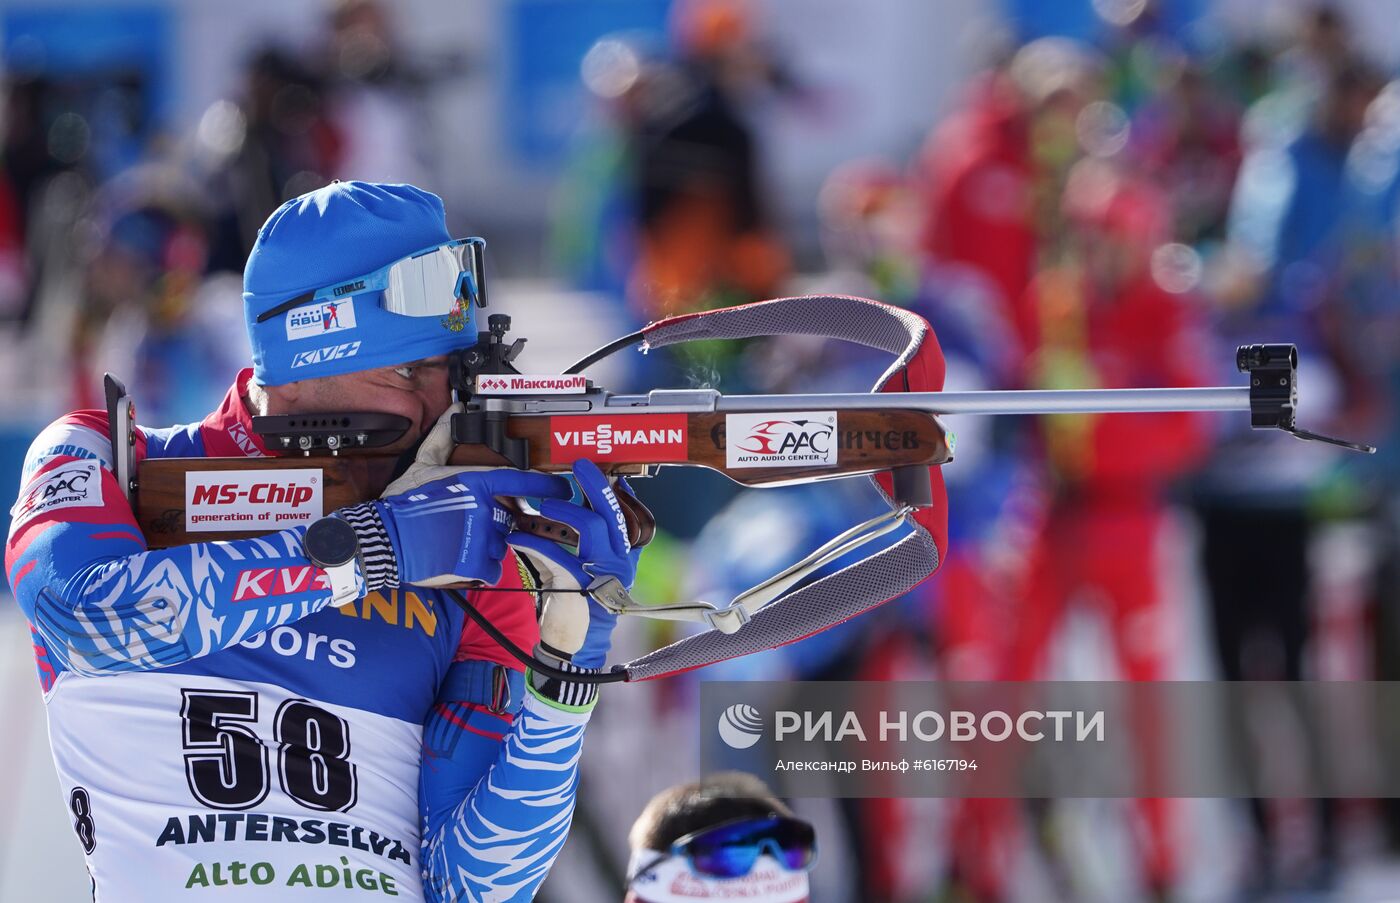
[{"x": 230, "y": 720}]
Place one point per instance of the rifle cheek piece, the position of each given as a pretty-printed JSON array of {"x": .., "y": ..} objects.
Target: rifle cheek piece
[{"x": 320, "y": 433}]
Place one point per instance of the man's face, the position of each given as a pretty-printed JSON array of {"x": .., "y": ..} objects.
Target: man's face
[{"x": 417, "y": 390}]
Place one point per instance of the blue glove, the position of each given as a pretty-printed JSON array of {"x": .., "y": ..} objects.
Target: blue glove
[
  {"x": 572, "y": 622},
  {"x": 452, "y": 530}
]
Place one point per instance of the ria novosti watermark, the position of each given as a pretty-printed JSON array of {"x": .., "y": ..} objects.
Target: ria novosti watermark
[
  {"x": 930, "y": 726},
  {"x": 1088, "y": 739},
  {"x": 741, "y": 726}
]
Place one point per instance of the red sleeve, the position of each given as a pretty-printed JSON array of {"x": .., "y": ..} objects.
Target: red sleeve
[{"x": 512, "y": 612}]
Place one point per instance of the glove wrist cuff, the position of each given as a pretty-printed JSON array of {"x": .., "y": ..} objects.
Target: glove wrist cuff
[
  {"x": 376, "y": 548},
  {"x": 567, "y": 695}
]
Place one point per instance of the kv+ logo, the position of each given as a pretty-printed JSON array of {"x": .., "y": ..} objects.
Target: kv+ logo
[
  {"x": 321, "y": 355},
  {"x": 740, "y": 726}
]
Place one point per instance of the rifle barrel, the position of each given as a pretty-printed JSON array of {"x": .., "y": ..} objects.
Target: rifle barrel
[{"x": 1039, "y": 401}]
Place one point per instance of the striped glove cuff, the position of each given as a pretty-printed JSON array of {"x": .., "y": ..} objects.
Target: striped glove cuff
[
  {"x": 376, "y": 551},
  {"x": 567, "y": 695}
]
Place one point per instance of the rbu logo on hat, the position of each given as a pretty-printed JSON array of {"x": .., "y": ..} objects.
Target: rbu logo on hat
[
  {"x": 319, "y": 319},
  {"x": 329, "y": 353}
]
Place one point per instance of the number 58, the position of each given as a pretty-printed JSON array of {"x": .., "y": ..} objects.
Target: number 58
[{"x": 230, "y": 770}]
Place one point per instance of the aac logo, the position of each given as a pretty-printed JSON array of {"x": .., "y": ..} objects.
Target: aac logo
[
  {"x": 779, "y": 437},
  {"x": 740, "y": 726},
  {"x": 75, "y": 485},
  {"x": 798, "y": 439},
  {"x": 69, "y": 482}
]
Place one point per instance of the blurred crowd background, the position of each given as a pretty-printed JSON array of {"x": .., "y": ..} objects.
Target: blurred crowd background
[{"x": 1076, "y": 194}]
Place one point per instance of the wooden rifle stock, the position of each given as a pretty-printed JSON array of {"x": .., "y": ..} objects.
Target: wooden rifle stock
[{"x": 867, "y": 441}]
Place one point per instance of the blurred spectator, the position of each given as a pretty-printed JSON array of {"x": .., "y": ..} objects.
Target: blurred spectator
[
  {"x": 991, "y": 168},
  {"x": 377, "y": 95},
  {"x": 870, "y": 220},
  {"x": 1363, "y": 327},
  {"x": 1289, "y": 221},
  {"x": 14, "y": 287},
  {"x": 1105, "y": 320},
  {"x": 1291, "y": 198},
  {"x": 705, "y": 237},
  {"x": 978, "y": 174},
  {"x": 275, "y": 142},
  {"x": 13, "y": 284},
  {"x": 1300, "y": 76},
  {"x": 1242, "y": 73},
  {"x": 1141, "y": 46},
  {"x": 1286, "y": 225},
  {"x": 594, "y": 240},
  {"x": 1187, "y": 136},
  {"x": 870, "y": 217},
  {"x": 352, "y": 109},
  {"x": 147, "y": 311},
  {"x": 1322, "y": 46},
  {"x": 996, "y": 503},
  {"x": 761, "y": 532},
  {"x": 62, "y": 132}
]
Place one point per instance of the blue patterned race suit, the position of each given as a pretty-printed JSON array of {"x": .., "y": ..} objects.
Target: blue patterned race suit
[{"x": 222, "y": 730}]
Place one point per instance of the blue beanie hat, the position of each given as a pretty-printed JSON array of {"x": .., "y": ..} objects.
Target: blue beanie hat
[{"x": 330, "y": 236}]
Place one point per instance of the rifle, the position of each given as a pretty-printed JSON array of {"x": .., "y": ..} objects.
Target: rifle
[{"x": 545, "y": 422}]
